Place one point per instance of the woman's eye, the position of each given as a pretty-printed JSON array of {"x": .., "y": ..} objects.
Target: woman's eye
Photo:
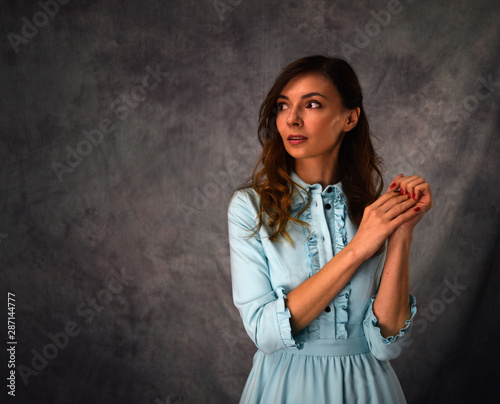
[
  {"x": 281, "y": 106},
  {"x": 313, "y": 104}
]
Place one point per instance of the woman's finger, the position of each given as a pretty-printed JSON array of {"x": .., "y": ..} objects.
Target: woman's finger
[
  {"x": 401, "y": 182},
  {"x": 407, "y": 185},
  {"x": 406, "y": 202},
  {"x": 383, "y": 199},
  {"x": 411, "y": 184},
  {"x": 406, "y": 216},
  {"x": 404, "y": 183},
  {"x": 395, "y": 183},
  {"x": 386, "y": 204},
  {"x": 423, "y": 190}
]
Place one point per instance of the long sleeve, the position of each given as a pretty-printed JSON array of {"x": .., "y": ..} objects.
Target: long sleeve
[
  {"x": 262, "y": 307},
  {"x": 390, "y": 347}
]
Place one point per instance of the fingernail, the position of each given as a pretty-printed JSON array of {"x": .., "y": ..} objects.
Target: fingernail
[
  {"x": 409, "y": 195},
  {"x": 393, "y": 185},
  {"x": 415, "y": 196},
  {"x": 402, "y": 192},
  {"x": 417, "y": 209},
  {"x": 400, "y": 175}
]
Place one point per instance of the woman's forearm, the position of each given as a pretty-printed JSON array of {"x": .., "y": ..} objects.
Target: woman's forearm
[
  {"x": 310, "y": 298},
  {"x": 391, "y": 215},
  {"x": 392, "y": 303}
]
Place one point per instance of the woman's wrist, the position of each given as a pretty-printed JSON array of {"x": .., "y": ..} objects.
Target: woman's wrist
[
  {"x": 401, "y": 235},
  {"x": 357, "y": 251},
  {"x": 400, "y": 242}
]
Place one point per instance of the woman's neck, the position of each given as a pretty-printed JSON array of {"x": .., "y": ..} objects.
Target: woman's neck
[{"x": 314, "y": 171}]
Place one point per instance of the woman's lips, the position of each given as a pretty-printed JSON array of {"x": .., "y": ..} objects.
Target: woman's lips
[{"x": 296, "y": 139}]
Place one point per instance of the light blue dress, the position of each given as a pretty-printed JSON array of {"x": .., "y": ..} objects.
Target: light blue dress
[{"x": 341, "y": 357}]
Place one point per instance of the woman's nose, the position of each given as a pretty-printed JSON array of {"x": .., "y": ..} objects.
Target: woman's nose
[{"x": 293, "y": 118}]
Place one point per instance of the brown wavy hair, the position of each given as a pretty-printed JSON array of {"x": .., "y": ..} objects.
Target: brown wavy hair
[{"x": 358, "y": 163}]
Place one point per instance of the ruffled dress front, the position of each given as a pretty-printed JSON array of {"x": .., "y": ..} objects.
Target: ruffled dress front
[{"x": 341, "y": 357}]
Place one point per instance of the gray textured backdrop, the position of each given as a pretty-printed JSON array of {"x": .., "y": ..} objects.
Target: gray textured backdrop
[{"x": 125, "y": 127}]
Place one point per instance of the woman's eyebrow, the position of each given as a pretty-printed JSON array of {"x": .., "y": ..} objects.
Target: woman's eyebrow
[{"x": 304, "y": 96}]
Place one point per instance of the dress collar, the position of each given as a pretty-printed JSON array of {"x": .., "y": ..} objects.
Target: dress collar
[{"x": 315, "y": 188}]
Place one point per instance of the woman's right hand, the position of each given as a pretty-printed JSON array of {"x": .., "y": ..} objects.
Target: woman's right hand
[{"x": 380, "y": 220}]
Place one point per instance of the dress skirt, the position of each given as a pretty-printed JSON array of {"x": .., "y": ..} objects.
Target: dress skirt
[{"x": 323, "y": 372}]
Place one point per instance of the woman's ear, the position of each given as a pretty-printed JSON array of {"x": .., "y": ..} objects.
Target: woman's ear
[{"x": 352, "y": 119}]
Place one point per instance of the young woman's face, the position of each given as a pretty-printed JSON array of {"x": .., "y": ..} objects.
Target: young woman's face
[{"x": 311, "y": 119}]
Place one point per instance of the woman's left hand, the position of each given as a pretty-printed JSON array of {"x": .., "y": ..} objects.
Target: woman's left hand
[{"x": 415, "y": 187}]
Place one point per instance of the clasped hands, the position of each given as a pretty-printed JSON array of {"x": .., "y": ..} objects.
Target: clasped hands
[{"x": 394, "y": 214}]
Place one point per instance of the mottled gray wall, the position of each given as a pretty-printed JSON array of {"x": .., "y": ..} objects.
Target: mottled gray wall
[{"x": 118, "y": 248}]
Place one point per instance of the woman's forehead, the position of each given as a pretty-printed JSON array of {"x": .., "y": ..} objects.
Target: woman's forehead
[{"x": 305, "y": 83}]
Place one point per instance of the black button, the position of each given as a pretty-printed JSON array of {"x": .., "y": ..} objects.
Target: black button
[
  {"x": 328, "y": 310},
  {"x": 328, "y": 206},
  {"x": 330, "y": 189}
]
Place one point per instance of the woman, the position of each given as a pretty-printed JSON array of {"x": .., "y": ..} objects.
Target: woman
[{"x": 319, "y": 259}]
